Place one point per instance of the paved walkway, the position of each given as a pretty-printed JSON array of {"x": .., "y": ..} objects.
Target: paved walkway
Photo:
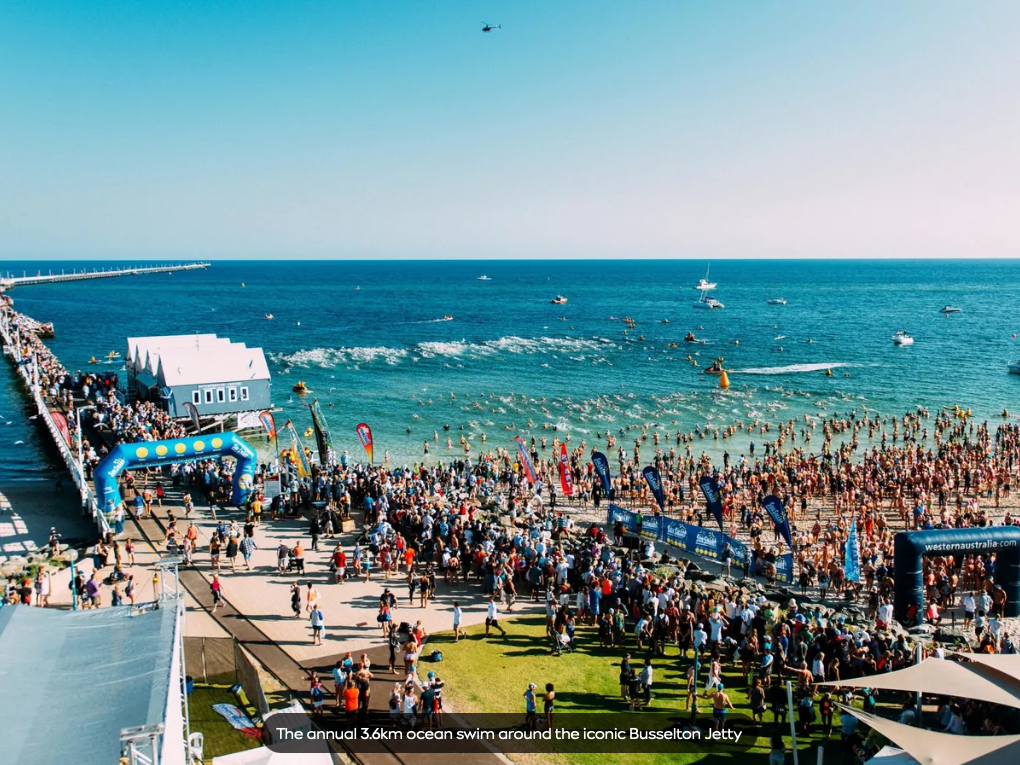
[{"x": 256, "y": 599}]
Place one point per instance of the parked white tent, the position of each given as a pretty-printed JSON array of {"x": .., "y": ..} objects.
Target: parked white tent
[
  {"x": 934, "y": 748},
  {"x": 946, "y": 678},
  {"x": 266, "y": 756}
]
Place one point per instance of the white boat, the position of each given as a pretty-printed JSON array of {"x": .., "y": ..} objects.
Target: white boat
[
  {"x": 484, "y": 278},
  {"x": 558, "y": 300},
  {"x": 950, "y": 309},
  {"x": 777, "y": 301},
  {"x": 705, "y": 284},
  {"x": 902, "y": 338},
  {"x": 707, "y": 302},
  {"x": 1014, "y": 367}
]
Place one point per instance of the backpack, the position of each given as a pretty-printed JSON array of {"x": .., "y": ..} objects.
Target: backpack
[{"x": 436, "y": 656}]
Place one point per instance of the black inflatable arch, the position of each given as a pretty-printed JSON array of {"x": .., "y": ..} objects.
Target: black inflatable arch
[{"x": 912, "y": 546}]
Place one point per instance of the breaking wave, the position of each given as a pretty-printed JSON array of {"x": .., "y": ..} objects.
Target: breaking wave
[
  {"x": 790, "y": 369},
  {"x": 455, "y": 349}
]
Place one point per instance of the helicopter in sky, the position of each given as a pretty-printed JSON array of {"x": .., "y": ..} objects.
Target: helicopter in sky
[{"x": 490, "y": 27}]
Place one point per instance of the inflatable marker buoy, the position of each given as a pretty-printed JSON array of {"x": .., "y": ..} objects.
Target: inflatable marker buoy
[{"x": 724, "y": 381}]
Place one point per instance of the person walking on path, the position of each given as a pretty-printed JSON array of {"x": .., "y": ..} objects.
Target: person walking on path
[
  {"x": 313, "y": 530},
  {"x": 232, "y": 547},
  {"x": 311, "y": 598},
  {"x": 295, "y": 599},
  {"x": 492, "y": 618},
  {"x": 217, "y": 592},
  {"x": 458, "y": 615},
  {"x": 247, "y": 547},
  {"x": 318, "y": 626}
]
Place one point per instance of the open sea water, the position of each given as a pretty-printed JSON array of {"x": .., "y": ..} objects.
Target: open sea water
[{"x": 370, "y": 341}]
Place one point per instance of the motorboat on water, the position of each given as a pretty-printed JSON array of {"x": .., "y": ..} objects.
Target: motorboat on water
[
  {"x": 690, "y": 338},
  {"x": 705, "y": 284},
  {"x": 707, "y": 302},
  {"x": 447, "y": 318},
  {"x": 268, "y": 316},
  {"x": 776, "y": 301},
  {"x": 949, "y": 309},
  {"x": 558, "y": 300},
  {"x": 902, "y": 338},
  {"x": 484, "y": 278}
]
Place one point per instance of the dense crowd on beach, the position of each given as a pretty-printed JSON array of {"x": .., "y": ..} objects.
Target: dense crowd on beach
[{"x": 482, "y": 521}]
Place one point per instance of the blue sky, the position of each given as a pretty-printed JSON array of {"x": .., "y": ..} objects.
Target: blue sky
[{"x": 373, "y": 129}]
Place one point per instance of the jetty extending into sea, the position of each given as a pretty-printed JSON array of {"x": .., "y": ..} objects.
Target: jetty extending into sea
[{"x": 9, "y": 281}]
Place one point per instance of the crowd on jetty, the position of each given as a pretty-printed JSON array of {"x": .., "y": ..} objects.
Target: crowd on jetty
[{"x": 95, "y": 394}]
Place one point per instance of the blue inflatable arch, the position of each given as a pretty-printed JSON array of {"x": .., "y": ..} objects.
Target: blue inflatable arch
[
  {"x": 143, "y": 454},
  {"x": 912, "y": 546}
]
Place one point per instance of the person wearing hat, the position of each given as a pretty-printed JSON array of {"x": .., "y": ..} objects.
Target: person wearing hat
[{"x": 530, "y": 706}]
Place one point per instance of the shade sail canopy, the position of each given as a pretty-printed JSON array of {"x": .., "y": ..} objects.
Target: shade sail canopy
[
  {"x": 943, "y": 678},
  {"x": 933, "y": 748}
]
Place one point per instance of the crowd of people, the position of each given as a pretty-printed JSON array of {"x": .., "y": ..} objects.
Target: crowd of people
[{"x": 485, "y": 521}]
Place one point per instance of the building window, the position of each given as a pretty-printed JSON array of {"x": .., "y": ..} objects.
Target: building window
[
  {"x": 196, "y": 397},
  {"x": 221, "y": 396},
  {"x": 232, "y": 394},
  {"x": 244, "y": 393},
  {"x": 208, "y": 395}
]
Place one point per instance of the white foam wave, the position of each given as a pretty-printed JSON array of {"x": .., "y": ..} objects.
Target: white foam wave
[
  {"x": 789, "y": 369},
  {"x": 454, "y": 349}
]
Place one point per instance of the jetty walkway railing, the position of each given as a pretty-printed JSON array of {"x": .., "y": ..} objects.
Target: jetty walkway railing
[
  {"x": 27, "y": 372},
  {"x": 9, "y": 281}
]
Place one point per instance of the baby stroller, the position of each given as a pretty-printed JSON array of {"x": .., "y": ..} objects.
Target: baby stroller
[{"x": 562, "y": 644}]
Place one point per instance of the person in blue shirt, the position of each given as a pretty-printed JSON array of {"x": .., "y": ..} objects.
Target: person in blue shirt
[{"x": 529, "y": 707}]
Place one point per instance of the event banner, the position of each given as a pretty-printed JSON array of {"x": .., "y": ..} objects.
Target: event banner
[
  {"x": 852, "y": 556},
  {"x": 566, "y": 479},
  {"x": 365, "y": 436},
  {"x": 269, "y": 423},
  {"x": 61, "y": 422},
  {"x": 300, "y": 458},
  {"x": 323, "y": 439},
  {"x": 192, "y": 411},
  {"x": 713, "y": 497},
  {"x": 598, "y": 459},
  {"x": 774, "y": 507},
  {"x": 689, "y": 538},
  {"x": 654, "y": 481},
  {"x": 529, "y": 469}
]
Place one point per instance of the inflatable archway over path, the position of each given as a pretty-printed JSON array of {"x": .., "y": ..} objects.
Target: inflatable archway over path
[
  {"x": 912, "y": 546},
  {"x": 143, "y": 454}
]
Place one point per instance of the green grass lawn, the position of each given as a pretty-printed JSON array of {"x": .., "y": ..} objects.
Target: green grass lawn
[
  {"x": 491, "y": 674},
  {"x": 220, "y": 737}
]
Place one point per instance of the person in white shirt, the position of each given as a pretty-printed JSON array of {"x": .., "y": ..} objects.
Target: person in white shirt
[
  {"x": 818, "y": 668},
  {"x": 885, "y": 615},
  {"x": 700, "y": 636},
  {"x": 492, "y": 618},
  {"x": 458, "y": 615},
  {"x": 969, "y": 607},
  {"x": 715, "y": 627}
]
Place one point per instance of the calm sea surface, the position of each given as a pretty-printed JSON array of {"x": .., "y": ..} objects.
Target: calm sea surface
[{"x": 370, "y": 339}]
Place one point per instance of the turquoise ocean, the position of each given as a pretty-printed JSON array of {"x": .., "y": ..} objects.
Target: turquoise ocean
[{"x": 371, "y": 341}]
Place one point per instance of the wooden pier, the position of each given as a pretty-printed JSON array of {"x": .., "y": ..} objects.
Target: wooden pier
[{"x": 10, "y": 282}]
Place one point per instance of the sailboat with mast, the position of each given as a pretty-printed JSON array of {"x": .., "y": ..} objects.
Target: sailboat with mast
[{"x": 705, "y": 285}]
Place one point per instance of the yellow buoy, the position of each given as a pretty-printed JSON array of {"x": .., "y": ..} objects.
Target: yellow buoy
[{"x": 724, "y": 381}]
